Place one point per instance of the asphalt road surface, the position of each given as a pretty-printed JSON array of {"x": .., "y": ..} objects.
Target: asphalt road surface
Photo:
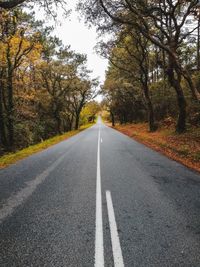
[{"x": 99, "y": 199}]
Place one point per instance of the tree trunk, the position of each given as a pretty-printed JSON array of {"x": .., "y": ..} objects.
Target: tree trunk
[
  {"x": 124, "y": 118},
  {"x": 58, "y": 122},
  {"x": 193, "y": 89},
  {"x": 3, "y": 140},
  {"x": 10, "y": 108},
  {"x": 176, "y": 83},
  {"x": 112, "y": 118},
  {"x": 151, "y": 117},
  {"x": 181, "y": 123},
  {"x": 71, "y": 122},
  {"x": 10, "y": 113},
  {"x": 56, "y": 115},
  {"x": 77, "y": 119}
]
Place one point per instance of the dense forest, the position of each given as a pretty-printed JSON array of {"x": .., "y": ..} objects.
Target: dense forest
[
  {"x": 153, "y": 50},
  {"x": 44, "y": 85}
]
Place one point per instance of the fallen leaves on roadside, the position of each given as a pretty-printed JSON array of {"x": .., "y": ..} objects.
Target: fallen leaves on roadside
[{"x": 184, "y": 148}]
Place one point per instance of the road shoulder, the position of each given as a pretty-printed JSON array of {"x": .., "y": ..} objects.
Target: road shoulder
[
  {"x": 14, "y": 157},
  {"x": 184, "y": 148}
]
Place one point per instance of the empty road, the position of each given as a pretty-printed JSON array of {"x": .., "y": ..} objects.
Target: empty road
[{"x": 99, "y": 199}]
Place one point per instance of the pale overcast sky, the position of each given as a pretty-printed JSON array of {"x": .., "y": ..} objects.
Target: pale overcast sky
[{"x": 75, "y": 33}]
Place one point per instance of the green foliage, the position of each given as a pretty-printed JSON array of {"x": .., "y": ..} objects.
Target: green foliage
[
  {"x": 89, "y": 112},
  {"x": 11, "y": 158},
  {"x": 163, "y": 47},
  {"x": 47, "y": 85},
  {"x": 136, "y": 76}
]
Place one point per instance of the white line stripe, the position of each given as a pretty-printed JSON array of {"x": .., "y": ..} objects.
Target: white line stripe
[
  {"x": 101, "y": 140},
  {"x": 16, "y": 200},
  {"x": 99, "y": 249},
  {"x": 117, "y": 252}
]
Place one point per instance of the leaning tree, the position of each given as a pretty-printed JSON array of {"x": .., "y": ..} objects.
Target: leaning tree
[{"x": 163, "y": 23}]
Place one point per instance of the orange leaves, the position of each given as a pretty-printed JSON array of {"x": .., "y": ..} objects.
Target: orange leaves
[{"x": 184, "y": 148}]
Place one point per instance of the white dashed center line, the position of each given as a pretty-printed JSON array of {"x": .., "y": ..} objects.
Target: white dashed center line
[
  {"x": 99, "y": 249},
  {"x": 99, "y": 244}
]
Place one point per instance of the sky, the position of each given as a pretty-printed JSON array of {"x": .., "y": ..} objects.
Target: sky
[
  {"x": 75, "y": 33},
  {"x": 82, "y": 39}
]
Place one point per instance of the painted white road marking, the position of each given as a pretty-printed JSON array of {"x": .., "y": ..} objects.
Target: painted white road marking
[
  {"x": 17, "y": 199},
  {"x": 101, "y": 140},
  {"x": 117, "y": 252},
  {"x": 99, "y": 249}
]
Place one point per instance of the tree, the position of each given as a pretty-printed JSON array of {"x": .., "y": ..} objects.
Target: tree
[
  {"x": 90, "y": 111},
  {"x": 19, "y": 42},
  {"x": 130, "y": 53},
  {"x": 123, "y": 96},
  {"x": 161, "y": 22},
  {"x": 43, "y": 85},
  {"x": 83, "y": 91},
  {"x": 57, "y": 76},
  {"x": 14, "y": 3}
]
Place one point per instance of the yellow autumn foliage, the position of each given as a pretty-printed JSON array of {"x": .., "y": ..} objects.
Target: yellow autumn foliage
[{"x": 21, "y": 48}]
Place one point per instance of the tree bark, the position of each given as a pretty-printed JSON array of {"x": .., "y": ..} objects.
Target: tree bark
[
  {"x": 176, "y": 84},
  {"x": 58, "y": 121},
  {"x": 181, "y": 123},
  {"x": 10, "y": 113},
  {"x": 71, "y": 122},
  {"x": 193, "y": 89},
  {"x": 11, "y": 4},
  {"x": 77, "y": 119},
  {"x": 3, "y": 140},
  {"x": 112, "y": 118},
  {"x": 10, "y": 107},
  {"x": 151, "y": 117}
]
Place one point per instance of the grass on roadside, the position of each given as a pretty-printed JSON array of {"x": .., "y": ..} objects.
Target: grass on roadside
[
  {"x": 184, "y": 148},
  {"x": 11, "y": 158}
]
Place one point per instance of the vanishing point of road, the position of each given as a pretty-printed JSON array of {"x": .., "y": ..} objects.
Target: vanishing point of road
[{"x": 99, "y": 199}]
